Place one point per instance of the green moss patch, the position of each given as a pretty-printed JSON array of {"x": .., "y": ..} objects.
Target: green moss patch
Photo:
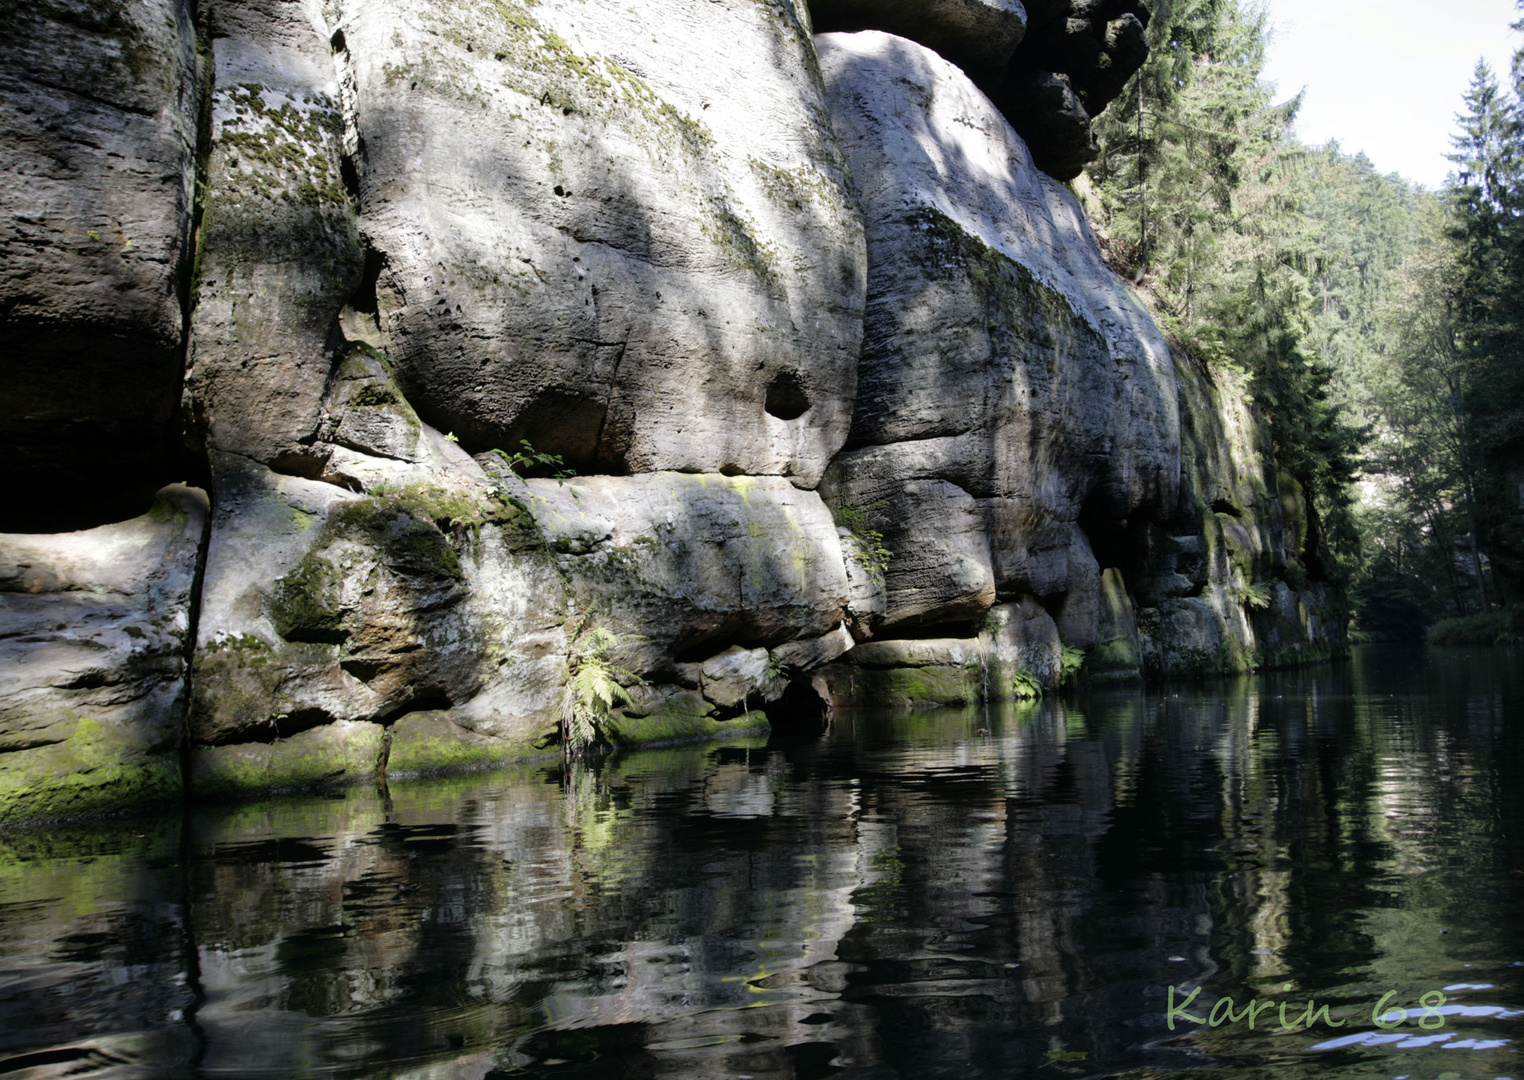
[
  {"x": 909, "y": 687},
  {"x": 431, "y": 743},
  {"x": 332, "y": 754},
  {"x": 676, "y": 723},
  {"x": 98, "y": 768}
]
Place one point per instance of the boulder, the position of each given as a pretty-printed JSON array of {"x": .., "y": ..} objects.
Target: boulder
[
  {"x": 1009, "y": 380},
  {"x": 1052, "y": 120},
  {"x": 807, "y": 654},
  {"x": 578, "y": 238},
  {"x": 93, "y": 637},
  {"x": 1020, "y": 639},
  {"x": 97, "y": 142}
]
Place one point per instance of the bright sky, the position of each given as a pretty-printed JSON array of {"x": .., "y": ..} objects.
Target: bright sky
[{"x": 1387, "y": 78}]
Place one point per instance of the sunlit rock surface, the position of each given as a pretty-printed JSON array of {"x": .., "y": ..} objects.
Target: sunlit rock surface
[
  {"x": 583, "y": 235},
  {"x": 326, "y": 608}
]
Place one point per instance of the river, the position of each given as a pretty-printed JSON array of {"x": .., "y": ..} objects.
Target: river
[{"x": 1007, "y": 891}]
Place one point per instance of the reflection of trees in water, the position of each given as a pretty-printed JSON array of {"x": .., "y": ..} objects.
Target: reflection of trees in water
[{"x": 980, "y": 889}]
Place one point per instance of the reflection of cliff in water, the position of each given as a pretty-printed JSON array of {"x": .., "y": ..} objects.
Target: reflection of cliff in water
[{"x": 984, "y": 890}]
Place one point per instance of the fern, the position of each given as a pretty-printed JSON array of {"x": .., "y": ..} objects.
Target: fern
[
  {"x": 1025, "y": 687},
  {"x": 1072, "y": 660},
  {"x": 1257, "y": 597},
  {"x": 594, "y": 688}
]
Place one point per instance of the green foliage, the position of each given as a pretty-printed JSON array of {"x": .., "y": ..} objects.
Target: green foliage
[
  {"x": 1025, "y": 687},
  {"x": 1444, "y": 525},
  {"x": 871, "y": 552},
  {"x": 594, "y": 687},
  {"x": 1204, "y": 199},
  {"x": 527, "y": 460},
  {"x": 1495, "y": 628},
  {"x": 1257, "y": 596},
  {"x": 1072, "y": 660}
]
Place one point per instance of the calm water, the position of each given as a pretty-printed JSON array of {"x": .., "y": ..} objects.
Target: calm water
[{"x": 991, "y": 893}]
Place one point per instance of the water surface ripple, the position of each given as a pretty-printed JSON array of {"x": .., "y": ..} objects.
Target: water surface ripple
[{"x": 982, "y": 893}]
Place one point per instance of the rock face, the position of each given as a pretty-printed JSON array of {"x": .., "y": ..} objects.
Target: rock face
[
  {"x": 1049, "y": 65},
  {"x": 98, "y": 111},
  {"x": 985, "y": 289},
  {"x": 280, "y": 250},
  {"x": 1223, "y": 584},
  {"x": 94, "y": 628},
  {"x": 860, "y": 414},
  {"x": 580, "y": 238}
]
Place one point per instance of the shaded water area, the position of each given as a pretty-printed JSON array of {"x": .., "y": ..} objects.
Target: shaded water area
[{"x": 998, "y": 892}]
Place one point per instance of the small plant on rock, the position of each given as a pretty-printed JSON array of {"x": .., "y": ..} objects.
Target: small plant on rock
[
  {"x": 594, "y": 687},
  {"x": 527, "y": 457},
  {"x": 1025, "y": 687},
  {"x": 1070, "y": 663},
  {"x": 1257, "y": 596}
]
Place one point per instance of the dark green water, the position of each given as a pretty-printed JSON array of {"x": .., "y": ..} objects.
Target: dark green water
[{"x": 992, "y": 893}]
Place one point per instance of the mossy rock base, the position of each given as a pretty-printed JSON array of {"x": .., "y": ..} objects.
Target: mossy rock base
[
  {"x": 904, "y": 687},
  {"x": 99, "y": 768},
  {"x": 332, "y": 754},
  {"x": 429, "y": 743},
  {"x": 677, "y": 724}
]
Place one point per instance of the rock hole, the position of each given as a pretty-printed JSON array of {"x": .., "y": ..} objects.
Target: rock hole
[
  {"x": 1222, "y": 506},
  {"x": 566, "y": 424},
  {"x": 786, "y": 398},
  {"x": 349, "y": 173},
  {"x": 967, "y": 628},
  {"x": 337, "y": 41},
  {"x": 364, "y": 298}
]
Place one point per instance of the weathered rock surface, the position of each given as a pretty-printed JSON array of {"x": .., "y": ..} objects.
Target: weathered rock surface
[
  {"x": 427, "y": 233},
  {"x": 582, "y": 237},
  {"x": 98, "y": 139},
  {"x": 1049, "y": 65},
  {"x": 280, "y": 247},
  {"x": 694, "y": 563},
  {"x": 1221, "y": 585},
  {"x": 1015, "y": 653},
  {"x": 1009, "y": 380},
  {"x": 325, "y": 608},
  {"x": 94, "y": 629}
]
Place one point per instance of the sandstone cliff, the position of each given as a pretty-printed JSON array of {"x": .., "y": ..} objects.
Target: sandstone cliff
[{"x": 782, "y": 302}]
